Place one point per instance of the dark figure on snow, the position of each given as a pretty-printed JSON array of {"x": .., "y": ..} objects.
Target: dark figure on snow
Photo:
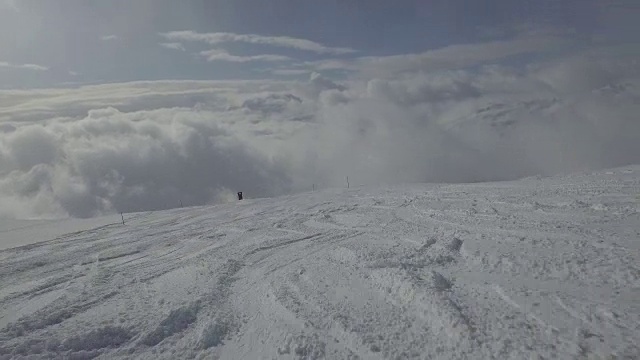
[{"x": 239, "y": 195}]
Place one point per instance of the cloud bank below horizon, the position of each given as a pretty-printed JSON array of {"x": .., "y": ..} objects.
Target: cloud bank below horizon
[{"x": 151, "y": 145}]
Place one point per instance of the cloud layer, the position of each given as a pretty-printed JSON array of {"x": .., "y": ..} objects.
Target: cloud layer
[
  {"x": 280, "y": 41},
  {"x": 151, "y": 145},
  {"x": 113, "y": 161},
  {"x": 449, "y": 57}
]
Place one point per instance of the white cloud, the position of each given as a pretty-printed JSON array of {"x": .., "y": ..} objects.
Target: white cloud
[
  {"x": 34, "y": 67},
  {"x": 280, "y": 41},
  {"x": 148, "y": 145},
  {"x": 69, "y": 151},
  {"x": 109, "y": 37},
  {"x": 223, "y": 55},
  {"x": 113, "y": 161},
  {"x": 173, "y": 46}
]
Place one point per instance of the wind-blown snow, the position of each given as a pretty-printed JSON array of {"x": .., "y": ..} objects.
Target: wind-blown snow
[{"x": 538, "y": 267}]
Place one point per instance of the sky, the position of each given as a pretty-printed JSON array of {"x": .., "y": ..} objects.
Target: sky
[{"x": 109, "y": 106}]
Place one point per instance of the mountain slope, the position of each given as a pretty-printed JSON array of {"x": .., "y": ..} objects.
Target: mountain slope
[{"x": 489, "y": 270}]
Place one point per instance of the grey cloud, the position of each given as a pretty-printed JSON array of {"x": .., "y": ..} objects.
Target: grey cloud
[
  {"x": 273, "y": 103},
  {"x": 318, "y": 83},
  {"x": 9, "y": 5},
  {"x": 589, "y": 71},
  {"x": 323, "y": 83},
  {"x": 7, "y": 128},
  {"x": 290, "y": 72},
  {"x": 450, "y": 86}
]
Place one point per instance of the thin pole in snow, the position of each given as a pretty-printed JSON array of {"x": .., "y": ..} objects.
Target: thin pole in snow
[
  {"x": 347, "y": 182},
  {"x": 122, "y": 216}
]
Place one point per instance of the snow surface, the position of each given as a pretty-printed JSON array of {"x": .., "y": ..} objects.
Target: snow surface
[
  {"x": 536, "y": 268},
  {"x": 24, "y": 232}
]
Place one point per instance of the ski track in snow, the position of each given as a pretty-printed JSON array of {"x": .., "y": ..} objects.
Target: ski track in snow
[{"x": 536, "y": 268}]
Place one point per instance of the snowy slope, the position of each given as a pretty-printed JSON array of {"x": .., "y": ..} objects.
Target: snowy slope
[
  {"x": 24, "y": 232},
  {"x": 513, "y": 270}
]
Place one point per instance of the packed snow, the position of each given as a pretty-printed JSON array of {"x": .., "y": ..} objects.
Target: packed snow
[{"x": 534, "y": 268}]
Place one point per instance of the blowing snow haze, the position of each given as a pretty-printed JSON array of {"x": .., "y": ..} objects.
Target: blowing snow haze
[{"x": 120, "y": 106}]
